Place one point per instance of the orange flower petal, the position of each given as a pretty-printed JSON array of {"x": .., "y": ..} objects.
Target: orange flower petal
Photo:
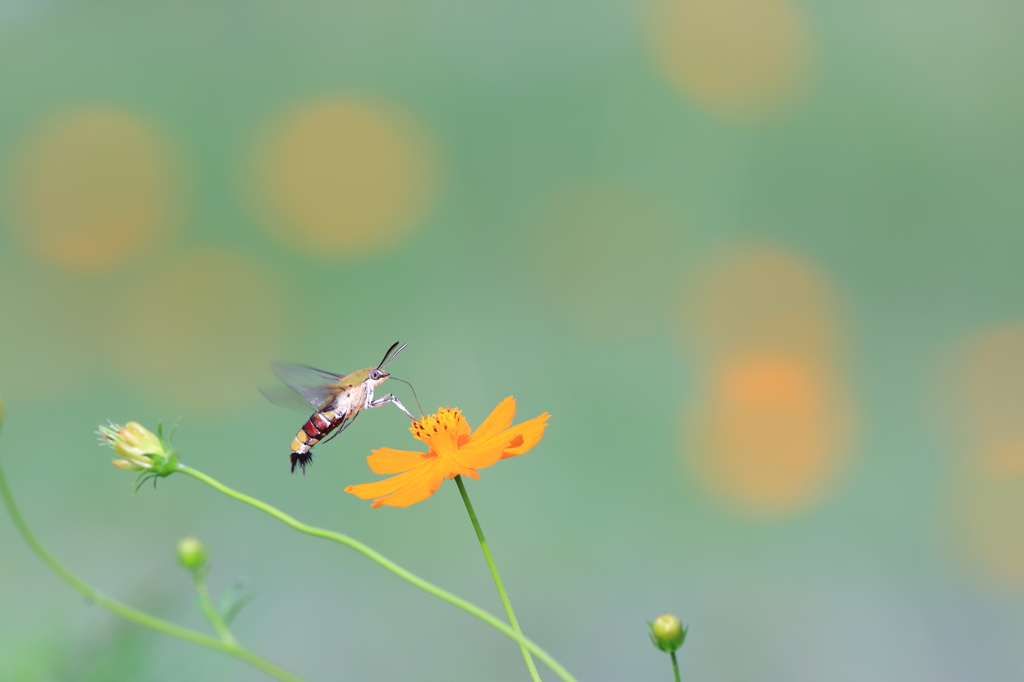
[
  {"x": 499, "y": 442},
  {"x": 463, "y": 430},
  {"x": 526, "y": 435},
  {"x": 424, "y": 485},
  {"x": 388, "y": 485},
  {"x": 388, "y": 461},
  {"x": 479, "y": 458},
  {"x": 453, "y": 467},
  {"x": 509, "y": 438},
  {"x": 499, "y": 420}
]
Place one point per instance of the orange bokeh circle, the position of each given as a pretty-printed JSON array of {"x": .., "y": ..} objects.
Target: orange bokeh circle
[
  {"x": 93, "y": 188},
  {"x": 773, "y": 434}
]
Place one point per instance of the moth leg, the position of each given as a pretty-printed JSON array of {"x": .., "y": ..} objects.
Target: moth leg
[
  {"x": 341, "y": 427},
  {"x": 331, "y": 437},
  {"x": 390, "y": 398}
]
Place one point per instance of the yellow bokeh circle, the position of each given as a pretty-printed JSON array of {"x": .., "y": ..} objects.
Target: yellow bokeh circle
[
  {"x": 739, "y": 58},
  {"x": 197, "y": 332},
  {"x": 986, "y": 515},
  {"x": 93, "y": 188},
  {"x": 339, "y": 177},
  {"x": 992, "y": 394},
  {"x": 984, "y": 419},
  {"x": 760, "y": 298}
]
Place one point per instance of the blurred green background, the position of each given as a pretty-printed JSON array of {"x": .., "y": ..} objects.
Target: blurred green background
[{"x": 760, "y": 259}]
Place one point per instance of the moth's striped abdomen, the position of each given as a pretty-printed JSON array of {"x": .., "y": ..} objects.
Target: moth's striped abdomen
[{"x": 315, "y": 428}]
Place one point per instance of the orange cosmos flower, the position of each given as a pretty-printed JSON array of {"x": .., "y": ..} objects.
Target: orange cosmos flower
[{"x": 454, "y": 451}]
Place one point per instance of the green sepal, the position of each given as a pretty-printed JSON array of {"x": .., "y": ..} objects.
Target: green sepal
[
  {"x": 169, "y": 464},
  {"x": 230, "y": 604}
]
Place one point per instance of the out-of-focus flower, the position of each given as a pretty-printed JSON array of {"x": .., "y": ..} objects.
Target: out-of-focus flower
[
  {"x": 140, "y": 448},
  {"x": 192, "y": 554},
  {"x": 667, "y": 633},
  {"x": 454, "y": 451}
]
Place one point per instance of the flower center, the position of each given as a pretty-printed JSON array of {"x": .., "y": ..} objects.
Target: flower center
[
  {"x": 445, "y": 419},
  {"x": 440, "y": 431}
]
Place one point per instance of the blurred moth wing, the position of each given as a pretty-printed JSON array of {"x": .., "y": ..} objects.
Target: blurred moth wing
[{"x": 303, "y": 385}]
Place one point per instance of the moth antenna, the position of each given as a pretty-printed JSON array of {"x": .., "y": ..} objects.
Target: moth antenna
[
  {"x": 413, "y": 392},
  {"x": 384, "y": 360},
  {"x": 387, "y": 360}
]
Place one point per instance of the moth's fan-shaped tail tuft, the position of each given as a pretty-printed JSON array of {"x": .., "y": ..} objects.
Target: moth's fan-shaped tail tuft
[{"x": 302, "y": 459}]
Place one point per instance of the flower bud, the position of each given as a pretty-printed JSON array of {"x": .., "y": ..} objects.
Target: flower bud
[
  {"x": 139, "y": 448},
  {"x": 667, "y": 633},
  {"x": 191, "y": 554}
]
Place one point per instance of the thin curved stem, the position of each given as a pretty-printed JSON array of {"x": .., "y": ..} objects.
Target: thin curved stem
[
  {"x": 497, "y": 578},
  {"x": 380, "y": 559},
  {"x": 128, "y": 612},
  {"x": 675, "y": 666}
]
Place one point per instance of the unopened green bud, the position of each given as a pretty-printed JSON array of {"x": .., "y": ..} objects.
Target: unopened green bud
[
  {"x": 667, "y": 633},
  {"x": 191, "y": 554}
]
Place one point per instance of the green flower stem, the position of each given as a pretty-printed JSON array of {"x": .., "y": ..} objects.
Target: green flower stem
[
  {"x": 231, "y": 648},
  {"x": 212, "y": 614},
  {"x": 379, "y": 558},
  {"x": 497, "y": 578},
  {"x": 675, "y": 666}
]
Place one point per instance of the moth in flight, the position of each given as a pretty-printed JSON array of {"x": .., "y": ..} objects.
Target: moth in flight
[{"x": 337, "y": 399}]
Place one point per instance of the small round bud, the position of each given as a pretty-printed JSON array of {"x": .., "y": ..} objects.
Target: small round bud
[
  {"x": 667, "y": 633},
  {"x": 191, "y": 554}
]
